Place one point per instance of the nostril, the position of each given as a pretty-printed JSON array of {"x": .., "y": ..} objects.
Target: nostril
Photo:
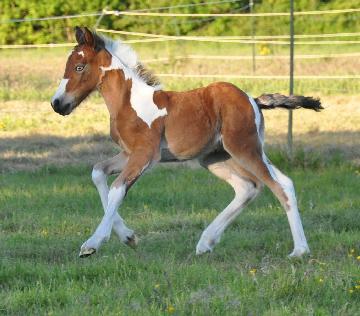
[{"x": 55, "y": 103}]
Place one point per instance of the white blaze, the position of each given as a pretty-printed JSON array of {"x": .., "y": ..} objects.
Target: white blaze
[
  {"x": 81, "y": 53},
  {"x": 61, "y": 89}
]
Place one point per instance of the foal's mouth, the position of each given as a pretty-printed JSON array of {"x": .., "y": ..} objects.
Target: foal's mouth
[
  {"x": 63, "y": 110},
  {"x": 66, "y": 110}
]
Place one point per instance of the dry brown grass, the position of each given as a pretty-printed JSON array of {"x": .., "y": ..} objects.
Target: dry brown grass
[
  {"x": 32, "y": 135},
  {"x": 34, "y": 74}
]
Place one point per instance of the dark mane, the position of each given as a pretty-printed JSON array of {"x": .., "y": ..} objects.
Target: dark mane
[{"x": 147, "y": 75}]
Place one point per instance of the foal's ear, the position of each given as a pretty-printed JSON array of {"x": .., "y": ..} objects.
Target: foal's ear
[{"x": 85, "y": 37}]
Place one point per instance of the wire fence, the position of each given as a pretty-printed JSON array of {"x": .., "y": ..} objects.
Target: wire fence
[
  {"x": 329, "y": 39},
  {"x": 165, "y": 14},
  {"x": 235, "y": 39}
]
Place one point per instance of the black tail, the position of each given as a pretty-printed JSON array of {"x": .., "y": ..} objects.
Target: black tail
[{"x": 272, "y": 101}]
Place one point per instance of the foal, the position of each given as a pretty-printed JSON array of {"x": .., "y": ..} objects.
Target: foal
[{"x": 219, "y": 125}]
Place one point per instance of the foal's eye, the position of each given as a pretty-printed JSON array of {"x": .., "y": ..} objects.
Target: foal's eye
[{"x": 79, "y": 68}]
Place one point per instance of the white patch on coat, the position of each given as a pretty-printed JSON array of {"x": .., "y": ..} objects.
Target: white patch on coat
[
  {"x": 142, "y": 95},
  {"x": 123, "y": 57},
  {"x": 258, "y": 123},
  {"x": 81, "y": 53},
  {"x": 257, "y": 116},
  {"x": 60, "y": 90},
  {"x": 142, "y": 102},
  {"x": 117, "y": 64}
]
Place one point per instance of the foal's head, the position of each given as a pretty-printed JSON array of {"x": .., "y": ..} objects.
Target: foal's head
[{"x": 82, "y": 72}]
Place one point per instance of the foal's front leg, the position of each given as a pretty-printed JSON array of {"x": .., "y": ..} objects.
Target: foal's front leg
[
  {"x": 135, "y": 166},
  {"x": 100, "y": 173}
]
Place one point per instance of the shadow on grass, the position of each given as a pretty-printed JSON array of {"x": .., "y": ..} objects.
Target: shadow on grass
[
  {"x": 35, "y": 151},
  {"x": 38, "y": 150}
]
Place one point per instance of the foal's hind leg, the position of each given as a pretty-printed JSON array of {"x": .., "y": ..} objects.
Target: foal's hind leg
[
  {"x": 300, "y": 244},
  {"x": 250, "y": 157},
  {"x": 99, "y": 176},
  {"x": 246, "y": 188}
]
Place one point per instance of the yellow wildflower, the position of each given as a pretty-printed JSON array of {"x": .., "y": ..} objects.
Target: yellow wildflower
[
  {"x": 44, "y": 232},
  {"x": 321, "y": 280},
  {"x": 352, "y": 250},
  {"x": 351, "y": 291},
  {"x": 265, "y": 50},
  {"x": 253, "y": 271},
  {"x": 357, "y": 287},
  {"x": 170, "y": 309},
  {"x": 358, "y": 257},
  {"x": 157, "y": 286}
]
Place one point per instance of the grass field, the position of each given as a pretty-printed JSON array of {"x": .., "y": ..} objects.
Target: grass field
[{"x": 47, "y": 214}]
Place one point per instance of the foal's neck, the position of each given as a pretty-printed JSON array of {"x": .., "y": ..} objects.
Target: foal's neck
[
  {"x": 116, "y": 91},
  {"x": 119, "y": 91}
]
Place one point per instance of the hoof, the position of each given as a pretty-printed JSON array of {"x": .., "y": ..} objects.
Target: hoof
[
  {"x": 299, "y": 252},
  {"x": 132, "y": 241},
  {"x": 86, "y": 252},
  {"x": 203, "y": 252},
  {"x": 203, "y": 248}
]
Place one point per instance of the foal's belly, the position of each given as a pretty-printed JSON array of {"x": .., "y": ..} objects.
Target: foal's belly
[{"x": 189, "y": 144}]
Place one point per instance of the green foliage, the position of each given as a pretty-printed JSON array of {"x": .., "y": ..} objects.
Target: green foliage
[{"x": 57, "y": 31}]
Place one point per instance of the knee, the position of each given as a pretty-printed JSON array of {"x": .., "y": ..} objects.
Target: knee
[
  {"x": 98, "y": 176},
  {"x": 254, "y": 188}
]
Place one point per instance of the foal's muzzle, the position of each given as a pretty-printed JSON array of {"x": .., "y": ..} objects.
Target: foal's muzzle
[{"x": 61, "y": 107}]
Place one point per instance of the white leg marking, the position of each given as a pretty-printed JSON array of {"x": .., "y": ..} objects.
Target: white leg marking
[
  {"x": 61, "y": 89},
  {"x": 244, "y": 193},
  {"x": 300, "y": 244},
  {"x": 99, "y": 179},
  {"x": 102, "y": 232}
]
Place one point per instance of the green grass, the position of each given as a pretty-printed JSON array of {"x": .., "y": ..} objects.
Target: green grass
[{"x": 46, "y": 215}]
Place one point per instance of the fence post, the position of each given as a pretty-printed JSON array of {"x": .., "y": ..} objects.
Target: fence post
[
  {"x": 97, "y": 23},
  {"x": 251, "y": 5},
  {"x": 290, "y": 118}
]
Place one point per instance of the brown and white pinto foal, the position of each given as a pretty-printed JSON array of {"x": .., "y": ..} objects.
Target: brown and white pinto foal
[{"x": 219, "y": 125}]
